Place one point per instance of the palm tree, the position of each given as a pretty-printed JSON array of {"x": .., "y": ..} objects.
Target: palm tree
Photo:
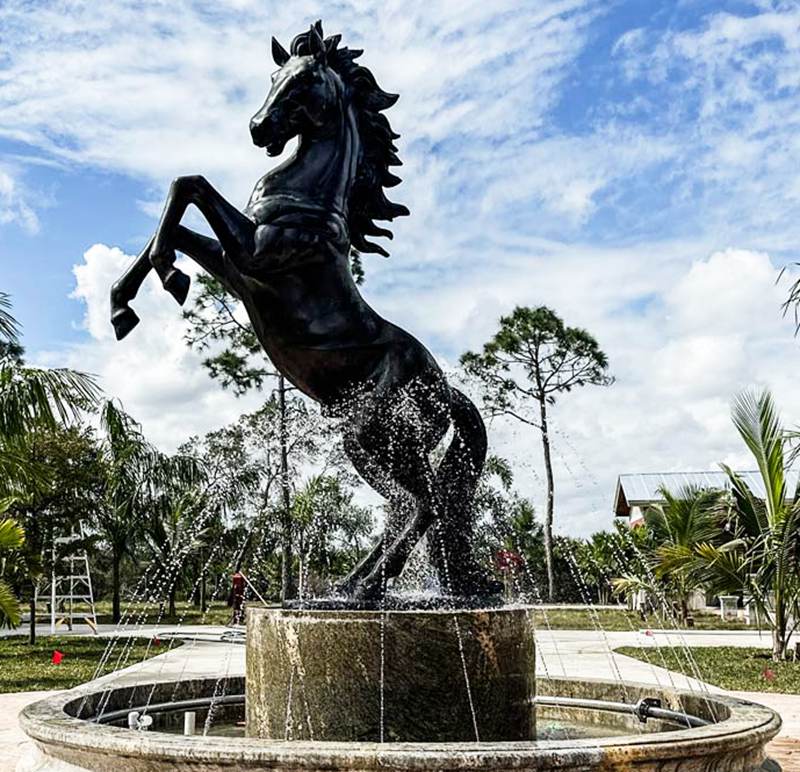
[
  {"x": 12, "y": 537},
  {"x": 678, "y": 526},
  {"x": 174, "y": 530},
  {"x": 597, "y": 559},
  {"x": 142, "y": 483},
  {"x": 32, "y": 396},
  {"x": 32, "y": 400},
  {"x": 762, "y": 557},
  {"x": 128, "y": 457}
]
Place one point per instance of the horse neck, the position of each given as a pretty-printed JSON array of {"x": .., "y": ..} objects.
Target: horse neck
[{"x": 324, "y": 165}]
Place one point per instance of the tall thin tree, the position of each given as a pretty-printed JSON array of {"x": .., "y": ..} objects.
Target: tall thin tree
[{"x": 530, "y": 361}]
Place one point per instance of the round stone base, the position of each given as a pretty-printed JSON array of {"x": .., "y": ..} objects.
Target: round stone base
[{"x": 393, "y": 676}]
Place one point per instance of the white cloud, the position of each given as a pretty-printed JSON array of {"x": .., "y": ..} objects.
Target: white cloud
[
  {"x": 564, "y": 174},
  {"x": 158, "y": 379},
  {"x": 14, "y": 207},
  {"x": 503, "y": 200},
  {"x": 714, "y": 329},
  {"x": 678, "y": 361},
  {"x": 78, "y": 86},
  {"x": 727, "y": 91},
  {"x": 733, "y": 289}
]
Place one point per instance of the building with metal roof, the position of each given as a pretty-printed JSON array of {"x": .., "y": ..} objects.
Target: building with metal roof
[{"x": 636, "y": 492}]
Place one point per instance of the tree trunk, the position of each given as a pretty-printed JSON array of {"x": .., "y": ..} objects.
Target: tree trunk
[
  {"x": 35, "y": 546},
  {"x": 202, "y": 582},
  {"x": 778, "y": 646},
  {"x": 172, "y": 592},
  {"x": 116, "y": 559},
  {"x": 287, "y": 584},
  {"x": 32, "y": 606},
  {"x": 684, "y": 610},
  {"x": 548, "y": 517},
  {"x": 779, "y": 630}
]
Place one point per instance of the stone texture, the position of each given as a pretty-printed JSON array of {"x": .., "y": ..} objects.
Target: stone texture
[
  {"x": 736, "y": 744},
  {"x": 400, "y": 676}
]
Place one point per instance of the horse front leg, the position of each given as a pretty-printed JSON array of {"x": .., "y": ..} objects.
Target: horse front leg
[
  {"x": 206, "y": 252},
  {"x": 123, "y": 317},
  {"x": 235, "y": 232}
]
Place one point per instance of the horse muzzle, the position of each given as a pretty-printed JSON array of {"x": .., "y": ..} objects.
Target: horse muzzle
[{"x": 265, "y": 135}]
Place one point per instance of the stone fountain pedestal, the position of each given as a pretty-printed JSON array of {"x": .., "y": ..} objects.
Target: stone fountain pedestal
[{"x": 397, "y": 676}]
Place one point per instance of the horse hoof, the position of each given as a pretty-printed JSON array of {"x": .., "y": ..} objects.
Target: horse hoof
[
  {"x": 366, "y": 591},
  {"x": 177, "y": 284},
  {"x": 344, "y": 587},
  {"x": 123, "y": 320}
]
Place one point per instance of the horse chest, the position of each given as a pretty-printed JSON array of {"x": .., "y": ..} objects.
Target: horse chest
[{"x": 308, "y": 302}]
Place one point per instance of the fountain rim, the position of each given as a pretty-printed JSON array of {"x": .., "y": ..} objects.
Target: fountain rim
[
  {"x": 370, "y": 613},
  {"x": 47, "y": 722}
]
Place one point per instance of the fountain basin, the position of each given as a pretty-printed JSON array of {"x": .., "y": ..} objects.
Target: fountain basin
[{"x": 734, "y": 743}]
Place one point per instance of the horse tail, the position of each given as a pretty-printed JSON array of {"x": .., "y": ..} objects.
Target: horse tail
[
  {"x": 457, "y": 478},
  {"x": 463, "y": 462}
]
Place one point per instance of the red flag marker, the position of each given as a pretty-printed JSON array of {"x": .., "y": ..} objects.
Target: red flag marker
[{"x": 57, "y": 657}]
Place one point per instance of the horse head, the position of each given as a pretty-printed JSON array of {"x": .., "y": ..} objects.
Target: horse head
[{"x": 305, "y": 94}]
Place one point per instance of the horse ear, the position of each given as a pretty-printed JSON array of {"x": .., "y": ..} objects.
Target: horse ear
[
  {"x": 331, "y": 43},
  {"x": 315, "y": 44},
  {"x": 279, "y": 53}
]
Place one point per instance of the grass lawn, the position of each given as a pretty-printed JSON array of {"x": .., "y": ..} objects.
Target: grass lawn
[
  {"x": 622, "y": 620},
  {"x": 578, "y": 618},
  {"x": 218, "y": 613},
  {"x": 25, "y": 668},
  {"x": 729, "y": 667}
]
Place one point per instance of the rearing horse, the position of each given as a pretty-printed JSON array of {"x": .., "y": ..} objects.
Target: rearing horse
[{"x": 287, "y": 258}]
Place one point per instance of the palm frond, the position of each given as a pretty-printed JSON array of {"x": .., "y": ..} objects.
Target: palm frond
[
  {"x": 725, "y": 568},
  {"x": 749, "y": 509},
  {"x": 31, "y": 396},
  {"x": 756, "y": 418},
  {"x": 629, "y": 584},
  {"x": 9, "y": 327},
  {"x": 10, "y": 612},
  {"x": 12, "y": 535}
]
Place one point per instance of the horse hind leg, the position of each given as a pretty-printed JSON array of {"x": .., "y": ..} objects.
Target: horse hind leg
[
  {"x": 417, "y": 477},
  {"x": 379, "y": 479},
  {"x": 452, "y": 549}
]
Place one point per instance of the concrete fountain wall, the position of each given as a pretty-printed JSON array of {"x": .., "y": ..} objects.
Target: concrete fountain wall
[
  {"x": 68, "y": 740},
  {"x": 405, "y": 676},
  {"x": 69, "y": 744}
]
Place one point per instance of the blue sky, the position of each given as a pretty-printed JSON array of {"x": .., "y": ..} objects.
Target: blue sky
[{"x": 632, "y": 164}]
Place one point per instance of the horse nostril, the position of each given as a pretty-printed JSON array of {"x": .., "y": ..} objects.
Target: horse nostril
[{"x": 257, "y": 132}]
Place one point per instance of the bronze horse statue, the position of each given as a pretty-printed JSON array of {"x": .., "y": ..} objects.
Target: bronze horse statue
[{"x": 286, "y": 257}]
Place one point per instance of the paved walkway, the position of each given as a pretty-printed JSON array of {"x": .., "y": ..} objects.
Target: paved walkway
[
  {"x": 578, "y": 653},
  {"x": 195, "y": 659},
  {"x": 13, "y": 741}
]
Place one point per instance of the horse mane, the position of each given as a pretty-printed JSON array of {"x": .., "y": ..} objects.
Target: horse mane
[{"x": 368, "y": 201}]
